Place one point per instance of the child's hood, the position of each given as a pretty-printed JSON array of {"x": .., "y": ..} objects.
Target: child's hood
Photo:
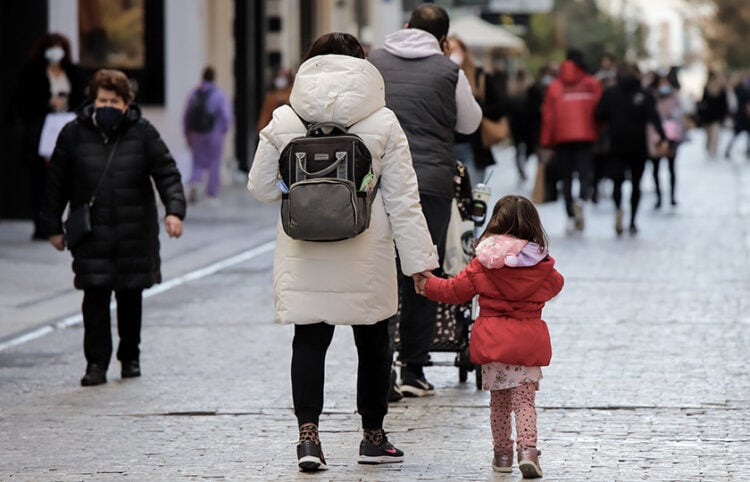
[{"x": 501, "y": 250}]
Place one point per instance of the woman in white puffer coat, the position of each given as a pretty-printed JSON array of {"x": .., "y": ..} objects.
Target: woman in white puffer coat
[{"x": 350, "y": 282}]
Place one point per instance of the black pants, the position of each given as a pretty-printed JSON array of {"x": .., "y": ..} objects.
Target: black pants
[
  {"x": 672, "y": 177},
  {"x": 575, "y": 157},
  {"x": 309, "y": 349},
  {"x": 637, "y": 165},
  {"x": 418, "y": 314},
  {"x": 97, "y": 335}
]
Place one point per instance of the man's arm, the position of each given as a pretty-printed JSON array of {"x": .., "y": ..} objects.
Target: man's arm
[{"x": 468, "y": 111}]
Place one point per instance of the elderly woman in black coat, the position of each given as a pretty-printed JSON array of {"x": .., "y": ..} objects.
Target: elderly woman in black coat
[{"x": 109, "y": 155}]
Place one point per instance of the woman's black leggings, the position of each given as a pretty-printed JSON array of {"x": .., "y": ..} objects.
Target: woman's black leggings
[
  {"x": 672, "y": 176},
  {"x": 309, "y": 349},
  {"x": 636, "y": 173}
]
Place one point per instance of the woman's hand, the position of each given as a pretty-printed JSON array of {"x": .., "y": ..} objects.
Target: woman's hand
[
  {"x": 173, "y": 225},
  {"x": 58, "y": 241}
]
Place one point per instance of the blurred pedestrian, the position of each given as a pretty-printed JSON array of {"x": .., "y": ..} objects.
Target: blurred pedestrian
[
  {"x": 206, "y": 121},
  {"x": 568, "y": 128},
  {"x": 277, "y": 96},
  {"x": 468, "y": 148},
  {"x": 514, "y": 277},
  {"x": 432, "y": 99},
  {"x": 520, "y": 122},
  {"x": 672, "y": 117},
  {"x": 50, "y": 83},
  {"x": 741, "y": 116},
  {"x": 607, "y": 77},
  {"x": 712, "y": 111},
  {"x": 107, "y": 158},
  {"x": 352, "y": 282},
  {"x": 628, "y": 108}
]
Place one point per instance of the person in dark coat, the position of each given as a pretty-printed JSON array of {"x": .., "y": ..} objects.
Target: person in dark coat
[
  {"x": 741, "y": 116},
  {"x": 628, "y": 108},
  {"x": 121, "y": 253},
  {"x": 50, "y": 82},
  {"x": 713, "y": 110}
]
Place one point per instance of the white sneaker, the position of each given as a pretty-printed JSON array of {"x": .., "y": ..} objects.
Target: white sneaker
[
  {"x": 578, "y": 215},
  {"x": 570, "y": 226}
]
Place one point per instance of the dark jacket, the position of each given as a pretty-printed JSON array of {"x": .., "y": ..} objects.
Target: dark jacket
[
  {"x": 422, "y": 93},
  {"x": 627, "y": 108},
  {"x": 31, "y": 102},
  {"x": 494, "y": 106},
  {"x": 122, "y": 251}
]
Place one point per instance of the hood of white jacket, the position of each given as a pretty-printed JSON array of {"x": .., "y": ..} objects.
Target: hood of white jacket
[
  {"x": 337, "y": 88},
  {"x": 412, "y": 43}
]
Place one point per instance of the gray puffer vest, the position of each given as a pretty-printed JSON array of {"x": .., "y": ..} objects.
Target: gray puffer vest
[{"x": 422, "y": 93}]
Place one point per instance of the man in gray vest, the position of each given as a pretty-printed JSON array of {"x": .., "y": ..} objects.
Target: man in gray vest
[{"x": 432, "y": 98}]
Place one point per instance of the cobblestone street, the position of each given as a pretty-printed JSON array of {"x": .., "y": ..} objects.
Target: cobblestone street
[{"x": 648, "y": 379}]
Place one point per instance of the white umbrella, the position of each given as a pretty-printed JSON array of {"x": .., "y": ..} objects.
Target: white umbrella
[{"x": 476, "y": 33}]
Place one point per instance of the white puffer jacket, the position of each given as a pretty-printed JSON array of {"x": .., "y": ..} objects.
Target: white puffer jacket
[{"x": 353, "y": 281}]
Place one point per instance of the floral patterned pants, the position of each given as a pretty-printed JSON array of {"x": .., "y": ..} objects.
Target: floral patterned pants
[{"x": 521, "y": 401}]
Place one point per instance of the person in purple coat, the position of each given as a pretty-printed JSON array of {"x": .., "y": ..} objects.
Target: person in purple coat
[{"x": 206, "y": 121}]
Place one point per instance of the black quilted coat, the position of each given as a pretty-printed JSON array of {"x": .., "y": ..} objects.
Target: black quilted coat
[{"x": 122, "y": 251}]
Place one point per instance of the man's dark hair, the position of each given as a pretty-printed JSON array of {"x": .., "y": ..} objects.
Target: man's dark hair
[
  {"x": 576, "y": 56},
  {"x": 209, "y": 74},
  {"x": 432, "y": 19},
  {"x": 335, "y": 43}
]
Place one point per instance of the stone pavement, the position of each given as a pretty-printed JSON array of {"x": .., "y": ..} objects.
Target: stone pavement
[{"x": 647, "y": 382}]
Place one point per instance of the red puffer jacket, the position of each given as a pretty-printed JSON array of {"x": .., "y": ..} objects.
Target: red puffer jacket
[
  {"x": 509, "y": 328},
  {"x": 568, "y": 107}
]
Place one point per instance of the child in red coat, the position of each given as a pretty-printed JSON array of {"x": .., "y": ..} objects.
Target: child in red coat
[{"x": 514, "y": 277}]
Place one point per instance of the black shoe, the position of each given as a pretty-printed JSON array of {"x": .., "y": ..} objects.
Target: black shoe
[
  {"x": 394, "y": 392},
  {"x": 310, "y": 456},
  {"x": 131, "y": 369},
  {"x": 633, "y": 229},
  {"x": 95, "y": 375},
  {"x": 413, "y": 385},
  {"x": 384, "y": 453}
]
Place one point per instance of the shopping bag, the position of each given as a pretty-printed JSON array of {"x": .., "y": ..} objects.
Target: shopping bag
[{"x": 53, "y": 124}]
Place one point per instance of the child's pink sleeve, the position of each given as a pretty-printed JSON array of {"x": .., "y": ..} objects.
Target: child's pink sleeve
[{"x": 454, "y": 290}]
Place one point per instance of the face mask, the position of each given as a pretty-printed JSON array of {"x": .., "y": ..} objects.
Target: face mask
[
  {"x": 457, "y": 58},
  {"x": 665, "y": 90},
  {"x": 280, "y": 82},
  {"x": 107, "y": 118},
  {"x": 547, "y": 79},
  {"x": 54, "y": 54}
]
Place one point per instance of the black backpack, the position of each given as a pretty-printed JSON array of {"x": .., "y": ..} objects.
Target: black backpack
[
  {"x": 328, "y": 184},
  {"x": 199, "y": 118}
]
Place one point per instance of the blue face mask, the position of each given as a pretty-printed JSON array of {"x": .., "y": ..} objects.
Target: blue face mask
[
  {"x": 665, "y": 90},
  {"x": 107, "y": 118}
]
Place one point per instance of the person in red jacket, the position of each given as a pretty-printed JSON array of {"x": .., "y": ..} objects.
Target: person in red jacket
[
  {"x": 514, "y": 277},
  {"x": 568, "y": 127}
]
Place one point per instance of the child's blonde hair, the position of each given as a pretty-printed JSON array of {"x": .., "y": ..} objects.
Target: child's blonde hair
[{"x": 516, "y": 216}]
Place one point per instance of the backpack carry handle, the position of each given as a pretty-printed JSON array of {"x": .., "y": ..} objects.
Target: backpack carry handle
[
  {"x": 340, "y": 156},
  {"x": 312, "y": 129}
]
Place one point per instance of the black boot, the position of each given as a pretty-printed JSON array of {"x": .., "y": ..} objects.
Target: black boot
[
  {"x": 95, "y": 375},
  {"x": 131, "y": 369}
]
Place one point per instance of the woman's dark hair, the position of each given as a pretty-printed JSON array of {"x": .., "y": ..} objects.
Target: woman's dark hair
[
  {"x": 209, "y": 74},
  {"x": 111, "y": 80},
  {"x": 335, "y": 43},
  {"x": 432, "y": 19},
  {"x": 50, "y": 40},
  {"x": 517, "y": 216}
]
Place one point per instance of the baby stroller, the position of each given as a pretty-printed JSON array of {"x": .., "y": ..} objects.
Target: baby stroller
[{"x": 453, "y": 323}]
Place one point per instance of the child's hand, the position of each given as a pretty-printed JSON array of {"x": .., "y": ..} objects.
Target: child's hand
[{"x": 420, "y": 280}]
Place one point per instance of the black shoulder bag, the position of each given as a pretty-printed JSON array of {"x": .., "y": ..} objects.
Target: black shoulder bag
[{"x": 78, "y": 224}]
